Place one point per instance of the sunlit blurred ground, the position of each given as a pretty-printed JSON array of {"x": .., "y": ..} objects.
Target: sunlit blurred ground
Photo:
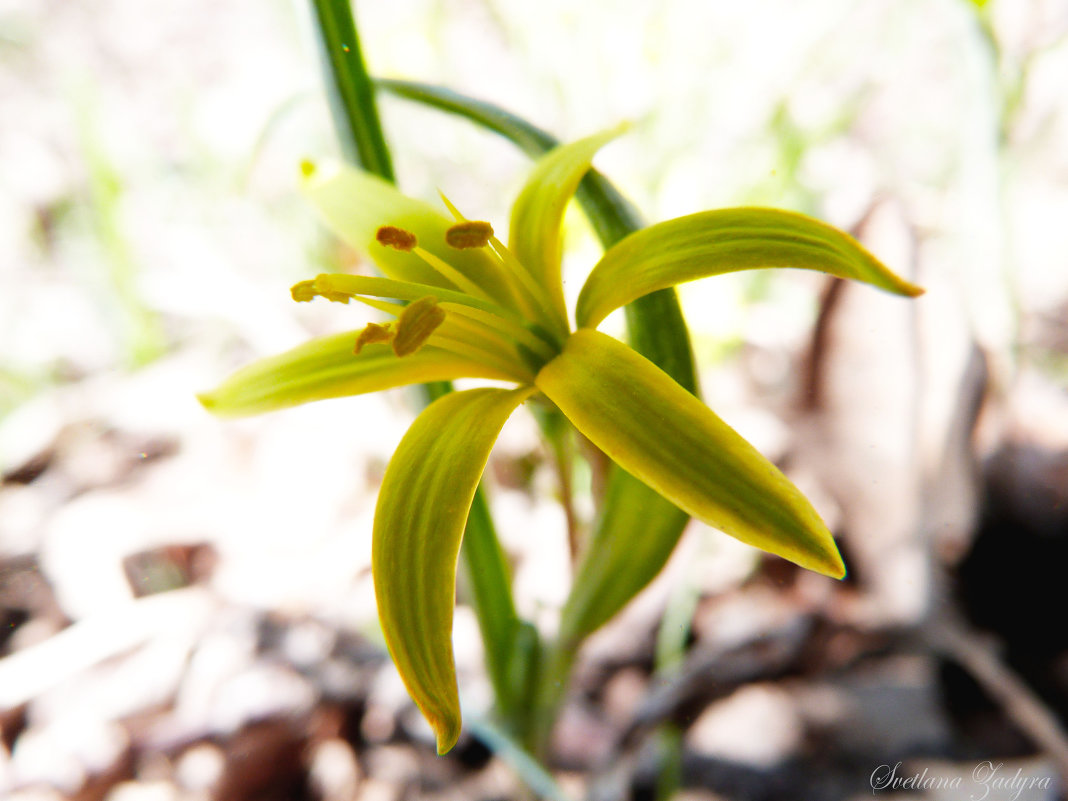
[{"x": 150, "y": 228}]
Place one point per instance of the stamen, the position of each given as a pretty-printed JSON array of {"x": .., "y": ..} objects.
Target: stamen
[
  {"x": 415, "y": 325},
  {"x": 307, "y": 168},
  {"x": 305, "y": 291},
  {"x": 470, "y": 234},
  {"x": 396, "y": 238},
  {"x": 452, "y": 209},
  {"x": 372, "y": 335},
  {"x": 454, "y": 276}
]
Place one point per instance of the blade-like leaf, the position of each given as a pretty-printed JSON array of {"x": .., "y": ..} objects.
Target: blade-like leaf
[
  {"x": 354, "y": 205},
  {"x": 349, "y": 88},
  {"x": 422, "y": 508},
  {"x": 726, "y": 240},
  {"x": 538, "y": 212},
  {"x": 634, "y": 537},
  {"x": 327, "y": 368},
  {"x": 666, "y": 437},
  {"x": 611, "y": 215}
]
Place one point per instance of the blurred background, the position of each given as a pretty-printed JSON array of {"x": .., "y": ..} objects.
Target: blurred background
[{"x": 186, "y": 609}]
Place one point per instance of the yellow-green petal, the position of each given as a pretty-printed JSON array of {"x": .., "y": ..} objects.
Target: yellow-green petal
[
  {"x": 355, "y": 204},
  {"x": 538, "y": 212},
  {"x": 726, "y": 240},
  {"x": 419, "y": 521},
  {"x": 666, "y": 437},
  {"x": 328, "y": 368}
]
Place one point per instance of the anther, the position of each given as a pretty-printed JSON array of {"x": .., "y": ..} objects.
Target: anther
[
  {"x": 307, "y": 290},
  {"x": 470, "y": 234},
  {"x": 396, "y": 238},
  {"x": 415, "y": 324},
  {"x": 372, "y": 335},
  {"x": 303, "y": 292}
]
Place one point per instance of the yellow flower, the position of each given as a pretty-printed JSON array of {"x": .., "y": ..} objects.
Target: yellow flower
[{"x": 467, "y": 306}]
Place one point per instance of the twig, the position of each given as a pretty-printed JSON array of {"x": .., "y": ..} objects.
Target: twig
[{"x": 954, "y": 639}]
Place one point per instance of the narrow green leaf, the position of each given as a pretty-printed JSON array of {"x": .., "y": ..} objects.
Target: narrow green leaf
[
  {"x": 654, "y": 429},
  {"x": 419, "y": 521},
  {"x": 714, "y": 242},
  {"x": 327, "y": 368},
  {"x": 636, "y": 533},
  {"x": 611, "y": 215},
  {"x": 355, "y": 205},
  {"x": 527, "y": 767},
  {"x": 488, "y": 581},
  {"x": 349, "y": 88},
  {"x": 538, "y": 212}
]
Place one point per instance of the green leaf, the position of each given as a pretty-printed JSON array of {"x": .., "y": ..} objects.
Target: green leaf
[
  {"x": 714, "y": 242},
  {"x": 538, "y": 212},
  {"x": 611, "y": 215},
  {"x": 487, "y": 578},
  {"x": 354, "y": 205},
  {"x": 349, "y": 88},
  {"x": 419, "y": 521},
  {"x": 327, "y": 368},
  {"x": 636, "y": 533},
  {"x": 654, "y": 429},
  {"x": 501, "y": 743}
]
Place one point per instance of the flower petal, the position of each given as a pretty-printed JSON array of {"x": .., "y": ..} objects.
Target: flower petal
[
  {"x": 328, "y": 368},
  {"x": 714, "y": 242},
  {"x": 422, "y": 509},
  {"x": 534, "y": 231},
  {"x": 354, "y": 205},
  {"x": 666, "y": 437}
]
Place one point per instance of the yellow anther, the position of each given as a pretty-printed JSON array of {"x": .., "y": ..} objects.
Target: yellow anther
[
  {"x": 334, "y": 297},
  {"x": 307, "y": 290},
  {"x": 303, "y": 292},
  {"x": 372, "y": 335},
  {"x": 415, "y": 325},
  {"x": 307, "y": 168},
  {"x": 470, "y": 234},
  {"x": 396, "y": 238}
]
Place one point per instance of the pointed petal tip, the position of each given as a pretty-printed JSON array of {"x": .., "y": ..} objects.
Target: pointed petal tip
[
  {"x": 835, "y": 568},
  {"x": 821, "y": 555},
  {"x": 898, "y": 285},
  {"x": 825, "y": 560},
  {"x": 446, "y": 733},
  {"x": 215, "y": 403}
]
